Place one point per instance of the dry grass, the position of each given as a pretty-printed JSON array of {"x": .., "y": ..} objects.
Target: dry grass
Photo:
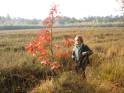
[{"x": 18, "y": 72}]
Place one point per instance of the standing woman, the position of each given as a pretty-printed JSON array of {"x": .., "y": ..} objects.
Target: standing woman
[{"x": 80, "y": 55}]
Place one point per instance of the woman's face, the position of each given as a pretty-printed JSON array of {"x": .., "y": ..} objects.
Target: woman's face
[{"x": 77, "y": 41}]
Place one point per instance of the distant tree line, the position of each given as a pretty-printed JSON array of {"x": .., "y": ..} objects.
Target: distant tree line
[
  {"x": 94, "y": 19},
  {"x": 91, "y": 20},
  {"x": 62, "y": 21},
  {"x": 9, "y": 21}
]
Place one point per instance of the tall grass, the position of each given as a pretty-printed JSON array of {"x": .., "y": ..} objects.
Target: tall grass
[{"x": 20, "y": 72}]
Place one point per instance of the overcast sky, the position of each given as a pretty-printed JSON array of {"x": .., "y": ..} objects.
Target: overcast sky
[{"x": 72, "y": 8}]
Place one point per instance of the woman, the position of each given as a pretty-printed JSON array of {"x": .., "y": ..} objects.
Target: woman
[{"x": 80, "y": 55}]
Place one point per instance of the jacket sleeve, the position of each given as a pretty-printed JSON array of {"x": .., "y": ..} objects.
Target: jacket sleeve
[{"x": 88, "y": 50}]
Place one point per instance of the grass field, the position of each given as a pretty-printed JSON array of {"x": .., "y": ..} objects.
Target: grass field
[{"x": 105, "y": 74}]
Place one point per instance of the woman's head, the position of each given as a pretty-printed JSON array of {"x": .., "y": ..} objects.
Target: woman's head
[{"x": 78, "y": 40}]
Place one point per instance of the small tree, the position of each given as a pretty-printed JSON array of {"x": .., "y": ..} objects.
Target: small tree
[{"x": 42, "y": 47}]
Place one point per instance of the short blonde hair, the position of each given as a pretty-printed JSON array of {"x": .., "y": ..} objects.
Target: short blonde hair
[{"x": 79, "y": 37}]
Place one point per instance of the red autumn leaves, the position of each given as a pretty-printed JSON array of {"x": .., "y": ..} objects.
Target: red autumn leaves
[
  {"x": 42, "y": 47},
  {"x": 68, "y": 41},
  {"x": 38, "y": 47},
  {"x": 52, "y": 14}
]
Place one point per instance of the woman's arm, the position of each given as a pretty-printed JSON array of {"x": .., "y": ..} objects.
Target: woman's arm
[{"x": 88, "y": 51}]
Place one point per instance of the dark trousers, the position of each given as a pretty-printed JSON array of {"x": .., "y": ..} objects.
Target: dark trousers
[{"x": 80, "y": 68}]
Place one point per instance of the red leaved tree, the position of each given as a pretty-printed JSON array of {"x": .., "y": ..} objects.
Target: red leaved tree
[{"x": 42, "y": 47}]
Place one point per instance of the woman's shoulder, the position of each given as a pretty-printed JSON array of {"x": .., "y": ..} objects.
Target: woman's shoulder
[{"x": 84, "y": 45}]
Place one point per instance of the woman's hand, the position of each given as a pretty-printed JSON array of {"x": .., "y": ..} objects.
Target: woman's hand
[
  {"x": 84, "y": 53},
  {"x": 87, "y": 53}
]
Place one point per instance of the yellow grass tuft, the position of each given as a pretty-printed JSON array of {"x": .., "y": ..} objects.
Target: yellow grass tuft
[{"x": 112, "y": 52}]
